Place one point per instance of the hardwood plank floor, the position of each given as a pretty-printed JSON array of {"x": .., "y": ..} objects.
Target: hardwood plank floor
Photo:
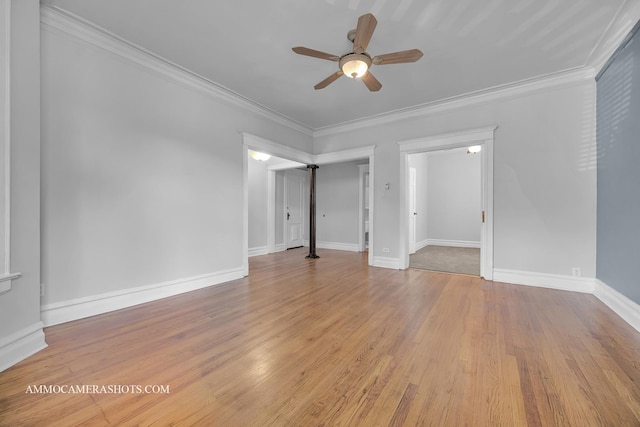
[{"x": 333, "y": 342}]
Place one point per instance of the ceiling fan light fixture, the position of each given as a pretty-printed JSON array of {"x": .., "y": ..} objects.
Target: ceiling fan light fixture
[{"x": 355, "y": 65}]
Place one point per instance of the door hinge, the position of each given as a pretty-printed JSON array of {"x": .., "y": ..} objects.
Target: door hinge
[{"x": 483, "y": 217}]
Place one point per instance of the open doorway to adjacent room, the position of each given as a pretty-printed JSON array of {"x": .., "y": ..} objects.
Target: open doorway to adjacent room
[
  {"x": 277, "y": 211},
  {"x": 445, "y": 211},
  {"x": 271, "y": 186},
  {"x": 449, "y": 227}
]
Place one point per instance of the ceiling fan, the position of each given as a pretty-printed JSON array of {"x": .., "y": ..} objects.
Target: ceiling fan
[{"x": 356, "y": 64}]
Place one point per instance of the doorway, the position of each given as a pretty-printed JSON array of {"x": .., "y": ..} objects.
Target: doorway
[
  {"x": 445, "y": 209},
  {"x": 253, "y": 142},
  {"x": 483, "y": 137}
]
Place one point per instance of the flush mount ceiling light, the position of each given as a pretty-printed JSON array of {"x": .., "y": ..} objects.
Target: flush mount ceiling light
[
  {"x": 261, "y": 157},
  {"x": 356, "y": 64},
  {"x": 474, "y": 149}
]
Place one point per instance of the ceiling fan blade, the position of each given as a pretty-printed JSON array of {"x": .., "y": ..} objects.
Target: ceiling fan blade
[
  {"x": 364, "y": 31},
  {"x": 315, "y": 53},
  {"x": 371, "y": 82},
  {"x": 326, "y": 82},
  {"x": 411, "y": 55}
]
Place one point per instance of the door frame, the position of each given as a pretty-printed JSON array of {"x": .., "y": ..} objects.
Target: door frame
[
  {"x": 362, "y": 171},
  {"x": 480, "y": 136}
]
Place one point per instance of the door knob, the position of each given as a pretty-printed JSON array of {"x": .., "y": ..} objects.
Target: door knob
[{"x": 288, "y": 215}]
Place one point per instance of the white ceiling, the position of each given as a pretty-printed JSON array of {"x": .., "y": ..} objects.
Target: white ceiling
[{"x": 468, "y": 45}]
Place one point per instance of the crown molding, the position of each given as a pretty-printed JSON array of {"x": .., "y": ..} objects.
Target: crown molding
[
  {"x": 54, "y": 19},
  {"x": 496, "y": 93},
  {"x": 614, "y": 36}
]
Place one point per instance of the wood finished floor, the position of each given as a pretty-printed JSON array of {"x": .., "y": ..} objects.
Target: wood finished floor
[{"x": 333, "y": 342}]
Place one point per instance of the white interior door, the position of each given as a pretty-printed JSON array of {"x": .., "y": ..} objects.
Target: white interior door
[
  {"x": 294, "y": 199},
  {"x": 413, "y": 214}
]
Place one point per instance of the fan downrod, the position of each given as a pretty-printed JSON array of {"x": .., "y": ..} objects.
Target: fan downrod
[{"x": 351, "y": 35}]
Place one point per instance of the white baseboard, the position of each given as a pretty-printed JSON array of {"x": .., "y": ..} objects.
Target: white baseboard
[
  {"x": 543, "y": 280},
  {"x": 386, "y": 262},
  {"x": 20, "y": 345},
  {"x": 260, "y": 250},
  {"x": 628, "y": 310},
  {"x": 66, "y": 311},
  {"x": 452, "y": 243},
  {"x": 281, "y": 247},
  {"x": 422, "y": 244},
  {"x": 351, "y": 247}
]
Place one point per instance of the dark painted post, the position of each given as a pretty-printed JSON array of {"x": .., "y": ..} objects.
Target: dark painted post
[{"x": 312, "y": 211}]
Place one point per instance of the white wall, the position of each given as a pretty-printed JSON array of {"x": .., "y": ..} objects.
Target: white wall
[
  {"x": 453, "y": 191},
  {"x": 20, "y": 327},
  {"x": 337, "y": 190},
  {"x": 142, "y": 177},
  {"x": 544, "y": 191}
]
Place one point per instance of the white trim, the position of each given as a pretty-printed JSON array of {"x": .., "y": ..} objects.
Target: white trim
[
  {"x": 480, "y": 136},
  {"x": 386, "y": 262},
  {"x": 422, "y": 244},
  {"x": 280, "y": 247},
  {"x": 20, "y": 345},
  {"x": 628, "y": 310},
  {"x": 452, "y": 243},
  {"x": 619, "y": 27},
  {"x": 10, "y": 276},
  {"x": 372, "y": 234},
  {"x": 5, "y": 281},
  {"x": 5, "y": 147},
  {"x": 362, "y": 171},
  {"x": 260, "y": 250},
  {"x": 486, "y": 195},
  {"x": 351, "y": 247},
  {"x": 285, "y": 165},
  {"x": 496, "y": 93},
  {"x": 54, "y": 19},
  {"x": 6, "y": 262},
  {"x": 344, "y": 155},
  {"x": 544, "y": 280},
  {"x": 447, "y": 140},
  {"x": 245, "y": 209},
  {"x": 79, "y": 308}
]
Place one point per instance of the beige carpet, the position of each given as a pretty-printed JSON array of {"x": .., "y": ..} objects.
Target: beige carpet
[{"x": 447, "y": 259}]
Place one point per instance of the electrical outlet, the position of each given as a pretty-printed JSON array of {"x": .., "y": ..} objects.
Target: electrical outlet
[
  {"x": 575, "y": 272},
  {"x": 385, "y": 250},
  {"x": 41, "y": 289}
]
